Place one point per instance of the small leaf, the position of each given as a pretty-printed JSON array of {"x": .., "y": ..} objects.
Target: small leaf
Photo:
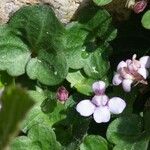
[
  {"x": 81, "y": 83},
  {"x": 49, "y": 69},
  {"x": 146, "y": 117},
  {"x": 76, "y": 57},
  {"x": 43, "y": 33},
  {"x": 98, "y": 64},
  {"x": 40, "y": 137},
  {"x": 39, "y": 26},
  {"x": 71, "y": 130},
  {"x": 58, "y": 114},
  {"x": 146, "y": 20},
  {"x": 98, "y": 22},
  {"x": 75, "y": 35},
  {"x": 94, "y": 142},
  {"x": 35, "y": 115},
  {"x": 123, "y": 128},
  {"x": 15, "y": 104},
  {"x": 101, "y": 2},
  {"x": 48, "y": 105},
  {"x": 141, "y": 144},
  {"x": 127, "y": 133},
  {"x": 14, "y": 54}
]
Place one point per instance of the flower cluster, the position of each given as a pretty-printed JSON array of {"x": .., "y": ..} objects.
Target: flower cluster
[
  {"x": 132, "y": 71},
  {"x": 100, "y": 106}
]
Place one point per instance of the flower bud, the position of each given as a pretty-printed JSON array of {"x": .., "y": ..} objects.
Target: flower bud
[
  {"x": 62, "y": 94},
  {"x": 139, "y": 6}
]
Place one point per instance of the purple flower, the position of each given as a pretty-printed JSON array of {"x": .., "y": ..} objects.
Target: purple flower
[
  {"x": 139, "y": 6},
  {"x": 62, "y": 94},
  {"x": 100, "y": 106},
  {"x": 132, "y": 71}
]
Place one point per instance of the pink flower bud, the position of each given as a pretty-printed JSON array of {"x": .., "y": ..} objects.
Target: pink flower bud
[
  {"x": 62, "y": 94},
  {"x": 139, "y": 6}
]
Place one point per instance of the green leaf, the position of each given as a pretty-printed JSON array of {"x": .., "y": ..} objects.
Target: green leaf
[
  {"x": 75, "y": 35},
  {"x": 141, "y": 144},
  {"x": 37, "y": 96},
  {"x": 21, "y": 143},
  {"x": 58, "y": 114},
  {"x": 124, "y": 128},
  {"x": 42, "y": 31},
  {"x": 127, "y": 133},
  {"x": 98, "y": 63},
  {"x": 39, "y": 26},
  {"x": 72, "y": 128},
  {"x": 93, "y": 142},
  {"x": 80, "y": 82},
  {"x": 5, "y": 79},
  {"x": 48, "y": 105},
  {"x": 98, "y": 22},
  {"x": 146, "y": 117},
  {"x": 40, "y": 137},
  {"x": 146, "y": 20},
  {"x": 35, "y": 116},
  {"x": 46, "y": 110},
  {"x": 49, "y": 69},
  {"x": 14, "y": 54},
  {"x": 76, "y": 57},
  {"x": 101, "y": 2},
  {"x": 15, "y": 104},
  {"x": 82, "y": 42},
  {"x": 74, "y": 40}
]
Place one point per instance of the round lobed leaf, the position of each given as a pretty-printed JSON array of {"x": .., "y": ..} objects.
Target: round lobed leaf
[{"x": 94, "y": 142}]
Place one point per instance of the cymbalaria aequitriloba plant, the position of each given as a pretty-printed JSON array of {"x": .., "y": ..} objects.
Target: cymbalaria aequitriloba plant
[
  {"x": 64, "y": 69},
  {"x": 100, "y": 106},
  {"x": 132, "y": 72}
]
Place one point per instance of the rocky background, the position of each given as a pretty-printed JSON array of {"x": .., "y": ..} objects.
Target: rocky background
[{"x": 64, "y": 9}]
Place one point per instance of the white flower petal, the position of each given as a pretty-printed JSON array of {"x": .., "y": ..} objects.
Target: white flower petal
[
  {"x": 145, "y": 61},
  {"x": 121, "y": 65},
  {"x": 117, "y": 79},
  {"x": 126, "y": 84},
  {"x": 100, "y": 100},
  {"x": 143, "y": 71},
  {"x": 101, "y": 114},
  {"x": 85, "y": 108},
  {"x": 99, "y": 87},
  {"x": 116, "y": 105}
]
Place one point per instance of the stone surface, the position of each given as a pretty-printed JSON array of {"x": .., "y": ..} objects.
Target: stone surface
[{"x": 64, "y": 9}]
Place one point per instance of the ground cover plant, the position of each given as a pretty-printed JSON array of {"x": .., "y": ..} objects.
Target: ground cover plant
[{"x": 79, "y": 86}]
